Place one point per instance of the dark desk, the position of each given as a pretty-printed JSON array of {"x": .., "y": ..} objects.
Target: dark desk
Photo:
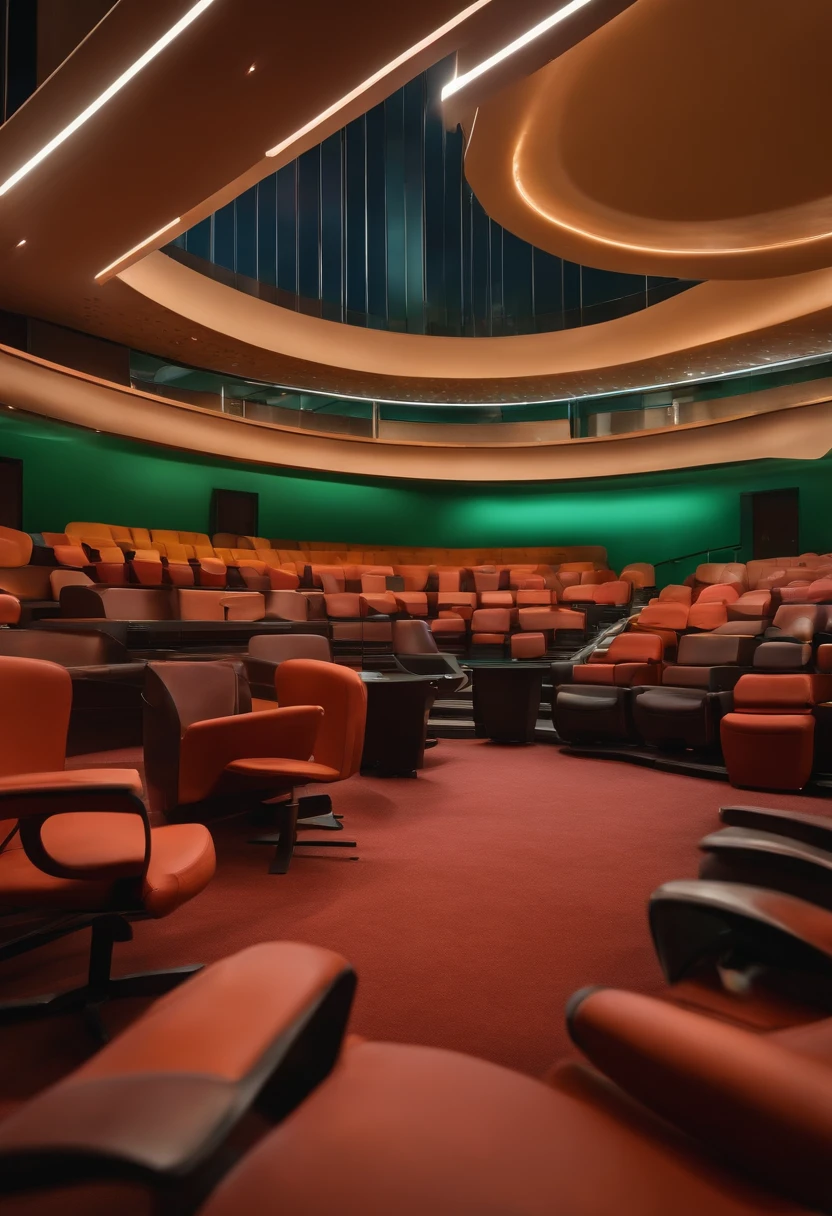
[
  {"x": 397, "y": 719},
  {"x": 507, "y": 701}
]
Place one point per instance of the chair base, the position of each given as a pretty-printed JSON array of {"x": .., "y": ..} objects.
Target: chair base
[
  {"x": 315, "y": 811},
  {"x": 285, "y": 839},
  {"x": 100, "y": 987}
]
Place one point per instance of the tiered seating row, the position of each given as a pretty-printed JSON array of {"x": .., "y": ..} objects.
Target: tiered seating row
[{"x": 741, "y": 677}]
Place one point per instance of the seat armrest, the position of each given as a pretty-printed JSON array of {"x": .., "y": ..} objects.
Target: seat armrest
[
  {"x": 208, "y": 747},
  {"x": 796, "y": 825},
  {"x": 764, "y": 1108},
  {"x": 694, "y": 922},
  {"x": 262, "y": 1027},
  {"x": 35, "y": 799},
  {"x": 562, "y": 672},
  {"x": 724, "y": 679}
]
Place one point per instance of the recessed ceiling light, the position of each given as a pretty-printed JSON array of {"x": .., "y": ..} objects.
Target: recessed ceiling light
[
  {"x": 253, "y": 68},
  {"x": 116, "y": 87},
  {"x": 20, "y": 243},
  {"x": 147, "y": 241},
  {"x": 194, "y": 339},
  {"x": 543, "y": 27},
  {"x": 380, "y": 75}
]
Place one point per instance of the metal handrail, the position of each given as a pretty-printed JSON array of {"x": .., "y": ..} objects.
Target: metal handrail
[{"x": 706, "y": 553}]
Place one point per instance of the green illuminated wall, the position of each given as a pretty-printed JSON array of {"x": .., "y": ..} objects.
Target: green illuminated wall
[{"x": 71, "y": 474}]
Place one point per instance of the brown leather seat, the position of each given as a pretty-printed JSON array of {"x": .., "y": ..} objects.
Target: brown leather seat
[
  {"x": 106, "y": 683},
  {"x": 83, "y": 844}
]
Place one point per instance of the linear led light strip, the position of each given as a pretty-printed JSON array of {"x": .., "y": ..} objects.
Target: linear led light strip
[
  {"x": 543, "y": 27},
  {"x": 136, "y": 248},
  {"x": 710, "y": 377},
  {"x": 107, "y": 95},
  {"x": 388, "y": 68}
]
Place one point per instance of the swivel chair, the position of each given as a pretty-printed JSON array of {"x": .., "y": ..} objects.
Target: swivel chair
[{"x": 76, "y": 848}]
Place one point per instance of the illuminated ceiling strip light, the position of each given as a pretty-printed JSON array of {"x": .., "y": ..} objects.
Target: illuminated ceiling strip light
[
  {"x": 107, "y": 95},
  {"x": 713, "y": 377},
  {"x": 388, "y": 68},
  {"x": 611, "y": 243},
  {"x": 543, "y": 27},
  {"x": 136, "y": 248}
]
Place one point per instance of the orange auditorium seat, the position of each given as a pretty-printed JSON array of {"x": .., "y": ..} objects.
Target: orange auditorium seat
[
  {"x": 490, "y": 626},
  {"x": 15, "y": 548},
  {"x": 632, "y": 658},
  {"x": 9, "y": 609},
  {"x": 768, "y": 741},
  {"x": 84, "y": 852}
]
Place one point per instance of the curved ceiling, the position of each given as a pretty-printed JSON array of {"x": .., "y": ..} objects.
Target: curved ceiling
[
  {"x": 191, "y": 131},
  {"x": 682, "y": 138},
  {"x": 705, "y": 331}
]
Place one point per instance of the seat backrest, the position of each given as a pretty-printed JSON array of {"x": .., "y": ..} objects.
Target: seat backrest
[
  {"x": 175, "y": 696},
  {"x": 83, "y": 649},
  {"x": 35, "y": 703},
  {"x": 618, "y": 592},
  {"x": 413, "y": 637},
  {"x": 714, "y": 650},
  {"x": 58, "y": 579},
  {"x": 634, "y": 648},
  {"x": 774, "y": 694},
  {"x": 797, "y": 620},
  {"x": 491, "y": 620},
  {"x": 675, "y": 593},
  {"x": 719, "y": 593},
  {"x": 721, "y": 572},
  {"x": 287, "y": 606},
  {"x": 664, "y": 616},
  {"x": 343, "y": 604},
  {"x": 278, "y": 647},
  {"x": 342, "y": 695},
  {"x": 15, "y": 547},
  {"x": 782, "y": 656}
]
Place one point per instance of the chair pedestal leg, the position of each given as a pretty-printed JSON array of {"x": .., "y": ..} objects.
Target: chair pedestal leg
[
  {"x": 286, "y": 840},
  {"x": 89, "y": 998},
  {"x": 315, "y": 811}
]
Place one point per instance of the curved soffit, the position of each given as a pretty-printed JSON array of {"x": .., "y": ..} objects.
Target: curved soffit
[
  {"x": 799, "y": 432},
  {"x": 708, "y": 330},
  {"x": 683, "y": 138}
]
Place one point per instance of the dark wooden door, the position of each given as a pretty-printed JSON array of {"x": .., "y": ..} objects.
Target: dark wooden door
[
  {"x": 234, "y": 511},
  {"x": 11, "y": 493},
  {"x": 776, "y": 523}
]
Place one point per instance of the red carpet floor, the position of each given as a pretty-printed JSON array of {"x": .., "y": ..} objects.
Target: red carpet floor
[{"x": 488, "y": 889}]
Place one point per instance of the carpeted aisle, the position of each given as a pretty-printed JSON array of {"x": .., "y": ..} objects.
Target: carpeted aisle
[{"x": 488, "y": 890}]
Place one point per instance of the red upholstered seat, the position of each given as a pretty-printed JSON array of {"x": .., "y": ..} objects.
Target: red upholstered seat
[
  {"x": 632, "y": 658},
  {"x": 528, "y": 645},
  {"x": 84, "y": 842},
  {"x": 9, "y": 609},
  {"x": 768, "y": 741}
]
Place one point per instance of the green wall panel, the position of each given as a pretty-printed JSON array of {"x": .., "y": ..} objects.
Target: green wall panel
[{"x": 70, "y": 473}]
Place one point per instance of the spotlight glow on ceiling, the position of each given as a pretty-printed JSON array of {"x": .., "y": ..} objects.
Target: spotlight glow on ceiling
[
  {"x": 388, "y": 68},
  {"x": 136, "y": 248},
  {"x": 116, "y": 87},
  {"x": 543, "y": 27}
]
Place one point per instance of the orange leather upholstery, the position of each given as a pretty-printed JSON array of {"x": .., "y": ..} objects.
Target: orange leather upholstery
[
  {"x": 70, "y": 555},
  {"x": 718, "y": 593},
  {"x": 534, "y": 598},
  {"x": 674, "y": 593},
  {"x": 343, "y": 696},
  {"x": 640, "y": 574},
  {"x": 286, "y": 606},
  {"x": 9, "y": 609},
  {"x": 707, "y": 616},
  {"x": 15, "y": 548},
  {"x": 632, "y": 658},
  {"x": 671, "y": 615},
  {"x": 751, "y": 605},
  {"x": 768, "y": 742},
  {"x": 197, "y": 723},
  {"x": 528, "y": 645}
]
